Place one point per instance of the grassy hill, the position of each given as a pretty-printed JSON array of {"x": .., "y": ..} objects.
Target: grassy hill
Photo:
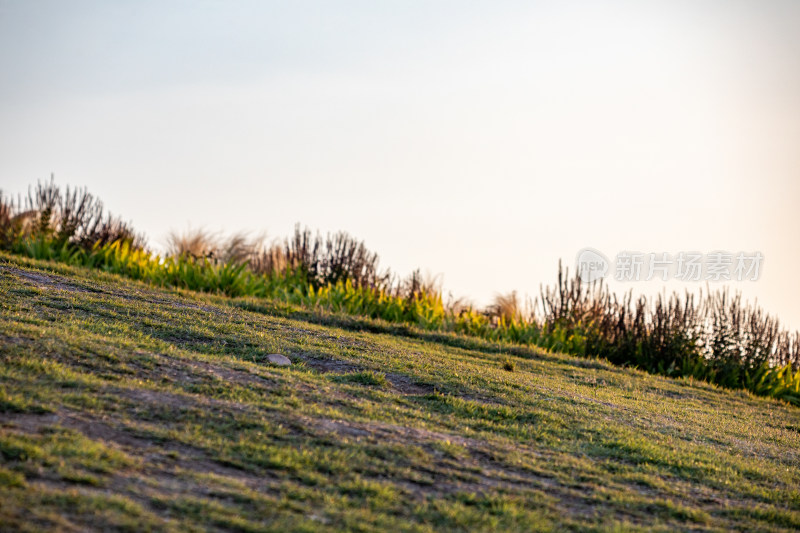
[{"x": 123, "y": 407}]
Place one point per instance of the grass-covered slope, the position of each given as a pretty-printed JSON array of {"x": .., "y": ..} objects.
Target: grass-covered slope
[{"x": 126, "y": 407}]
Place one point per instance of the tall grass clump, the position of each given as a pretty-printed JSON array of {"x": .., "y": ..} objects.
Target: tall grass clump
[
  {"x": 322, "y": 261},
  {"x": 714, "y": 337},
  {"x": 201, "y": 244},
  {"x": 70, "y": 219}
]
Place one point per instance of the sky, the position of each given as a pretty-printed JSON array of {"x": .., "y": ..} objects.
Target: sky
[{"x": 480, "y": 141}]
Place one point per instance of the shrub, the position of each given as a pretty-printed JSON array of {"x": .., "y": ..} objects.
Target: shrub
[{"x": 73, "y": 218}]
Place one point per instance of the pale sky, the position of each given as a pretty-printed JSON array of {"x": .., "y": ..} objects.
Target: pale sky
[{"x": 479, "y": 140}]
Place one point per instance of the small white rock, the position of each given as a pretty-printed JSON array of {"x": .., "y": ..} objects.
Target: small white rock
[{"x": 278, "y": 359}]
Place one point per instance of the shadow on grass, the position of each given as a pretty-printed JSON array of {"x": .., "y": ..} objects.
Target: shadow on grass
[{"x": 372, "y": 325}]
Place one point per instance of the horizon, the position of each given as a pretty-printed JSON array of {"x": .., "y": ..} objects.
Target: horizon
[{"x": 481, "y": 143}]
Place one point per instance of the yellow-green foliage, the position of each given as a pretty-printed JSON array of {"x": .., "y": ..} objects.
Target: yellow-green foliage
[{"x": 776, "y": 382}]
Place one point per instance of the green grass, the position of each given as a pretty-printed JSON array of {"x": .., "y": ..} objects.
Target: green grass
[
  {"x": 368, "y": 377},
  {"x": 127, "y": 407}
]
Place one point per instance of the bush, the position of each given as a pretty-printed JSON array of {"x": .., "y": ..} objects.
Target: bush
[{"x": 72, "y": 218}]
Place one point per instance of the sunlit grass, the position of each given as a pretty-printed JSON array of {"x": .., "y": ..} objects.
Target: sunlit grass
[{"x": 128, "y": 407}]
